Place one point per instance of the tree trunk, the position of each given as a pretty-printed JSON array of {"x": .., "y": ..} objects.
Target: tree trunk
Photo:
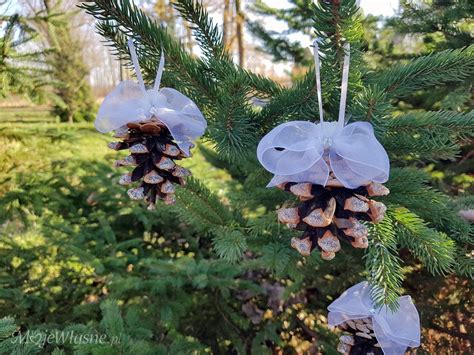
[
  {"x": 226, "y": 23},
  {"x": 240, "y": 32}
]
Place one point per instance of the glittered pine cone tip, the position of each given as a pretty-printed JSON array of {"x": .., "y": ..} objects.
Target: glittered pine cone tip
[
  {"x": 330, "y": 214},
  {"x": 358, "y": 338},
  {"x": 152, "y": 155}
]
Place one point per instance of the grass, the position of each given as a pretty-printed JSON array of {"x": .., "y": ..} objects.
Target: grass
[
  {"x": 28, "y": 147},
  {"x": 64, "y": 219},
  {"x": 25, "y": 115}
]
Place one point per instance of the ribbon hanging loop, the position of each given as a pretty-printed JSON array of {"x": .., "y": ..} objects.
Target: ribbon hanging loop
[
  {"x": 136, "y": 66},
  {"x": 344, "y": 82}
]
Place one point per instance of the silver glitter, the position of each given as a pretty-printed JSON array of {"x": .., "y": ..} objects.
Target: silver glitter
[
  {"x": 171, "y": 150},
  {"x": 302, "y": 189},
  {"x": 317, "y": 218},
  {"x": 167, "y": 187},
  {"x": 127, "y": 161},
  {"x": 165, "y": 164},
  {"x": 125, "y": 179},
  {"x": 358, "y": 230},
  {"x": 343, "y": 348},
  {"x": 377, "y": 210},
  {"x": 153, "y": 178},
  {"x": 288, "y": 215},
  {"x": 138, "y": 149},
  {"x": 136, "y": 194},
  {"x": 329, "y": 242},
  {"x": 361, "y": 243},
  {"x": 179, "y": 171},
  {"x": 303, "y": 246},
  {"x": 355, "y": 205},
  {"x": 376, "y": 189},
  {"x": 347, "y": 339},
  {"x": 114, "y": 145}
]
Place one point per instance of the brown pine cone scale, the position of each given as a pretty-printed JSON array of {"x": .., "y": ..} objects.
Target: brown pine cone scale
[
  {"x": 153, "y": 156},
  {"x": 330, "y": 214},
  {"x": 359, "y": 338}
]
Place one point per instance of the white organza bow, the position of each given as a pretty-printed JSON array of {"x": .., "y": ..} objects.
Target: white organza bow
[
  {"x": 296, "y": 152},
  {"x": 302, "y": 151},
  {"x": 395, "y": 331},
  {"x": 131, "y": 101}
]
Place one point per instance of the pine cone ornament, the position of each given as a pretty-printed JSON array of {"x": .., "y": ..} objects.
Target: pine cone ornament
[
  {"x": 153, "y": 156},
  {"x": 370, "y": 329},
  {"x": 334, "y": 168},
  {"x": 359, "y": 338},
  {"x": 158, "y": 126},
  {"x": 330, "y": 214}
]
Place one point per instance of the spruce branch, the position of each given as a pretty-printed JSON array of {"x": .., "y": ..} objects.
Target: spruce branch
[
  {"x": 433, "y": 248},
  {"x": 424, "y": 72},
  {"x": 229, "y": 244},
  {"x": 7, "y": 327},
  {"x": 462, "y": 122},
  {"x": 409, "y": 187},
  {"x": 428, "y": 135},
  {"x": 205, "y": 31},
  {"x": 464, "y": 262},
  {"x": 112, "y": 321},
  {"x": 383, "y": 265},
  {"x": 276, "y": 256},
  {"x": 200, "y": 208}
]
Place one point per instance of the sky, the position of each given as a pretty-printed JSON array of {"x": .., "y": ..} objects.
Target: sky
[
  {"x": 378, "y": 7},
  {"x": 374, "y": 7},
  {"x": 384, "y": 8}
]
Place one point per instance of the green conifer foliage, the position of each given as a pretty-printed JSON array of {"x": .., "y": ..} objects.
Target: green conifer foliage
[
  {"x": 223, "y": 91},
  {"x": 216, "y": 271}
]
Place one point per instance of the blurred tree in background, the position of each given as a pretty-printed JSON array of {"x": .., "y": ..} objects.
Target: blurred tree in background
[
  {"x": 216, "y": 273},
  {"x": 48, "y": 27},
  {"x": 21, "y": 72}
]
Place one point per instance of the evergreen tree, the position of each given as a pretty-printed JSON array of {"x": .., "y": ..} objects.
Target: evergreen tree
[
  {"x": 297, "y": 17},
  {"x": 55, "y": 69},
  {"x": 438, "y": 25},
  {"x": 21, "y": 72},
  {"x": 224, "y": 276},
  {"x": 442, "y": 24},
  {"x": 57, "y": 64},
  {"x": 68, "y": 69}
]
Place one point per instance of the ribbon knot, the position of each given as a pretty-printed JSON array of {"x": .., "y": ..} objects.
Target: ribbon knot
[
  {"x": 327, "y": 143},
  {"x": 395, "y": 331},
  {"x": 131, "y": 101},
  {"x": 302, "y": 151}
]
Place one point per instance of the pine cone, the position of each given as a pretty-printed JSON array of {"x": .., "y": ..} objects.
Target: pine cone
[
  {"x": 330, "y": 214},
  {"x": 153, "y": 154},
  {"x": 360, "y": 340}
]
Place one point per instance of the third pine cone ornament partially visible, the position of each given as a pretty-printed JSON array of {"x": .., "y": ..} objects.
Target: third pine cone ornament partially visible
[
  {"x": 158, "y": 127},
  {"x": 334, "y": 169}
]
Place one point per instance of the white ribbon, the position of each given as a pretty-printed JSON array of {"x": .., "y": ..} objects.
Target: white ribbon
[
  {"x": 300, "y": 151},
  {"x": 395, "y": 331},
  {"x": 130, "y": 102}
]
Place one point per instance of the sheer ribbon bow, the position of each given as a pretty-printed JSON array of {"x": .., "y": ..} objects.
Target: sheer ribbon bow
[
  {"x": 131, "y": 101},
  {"x": 302, "y": 151},
  {"x": 395, "y": 331}
]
